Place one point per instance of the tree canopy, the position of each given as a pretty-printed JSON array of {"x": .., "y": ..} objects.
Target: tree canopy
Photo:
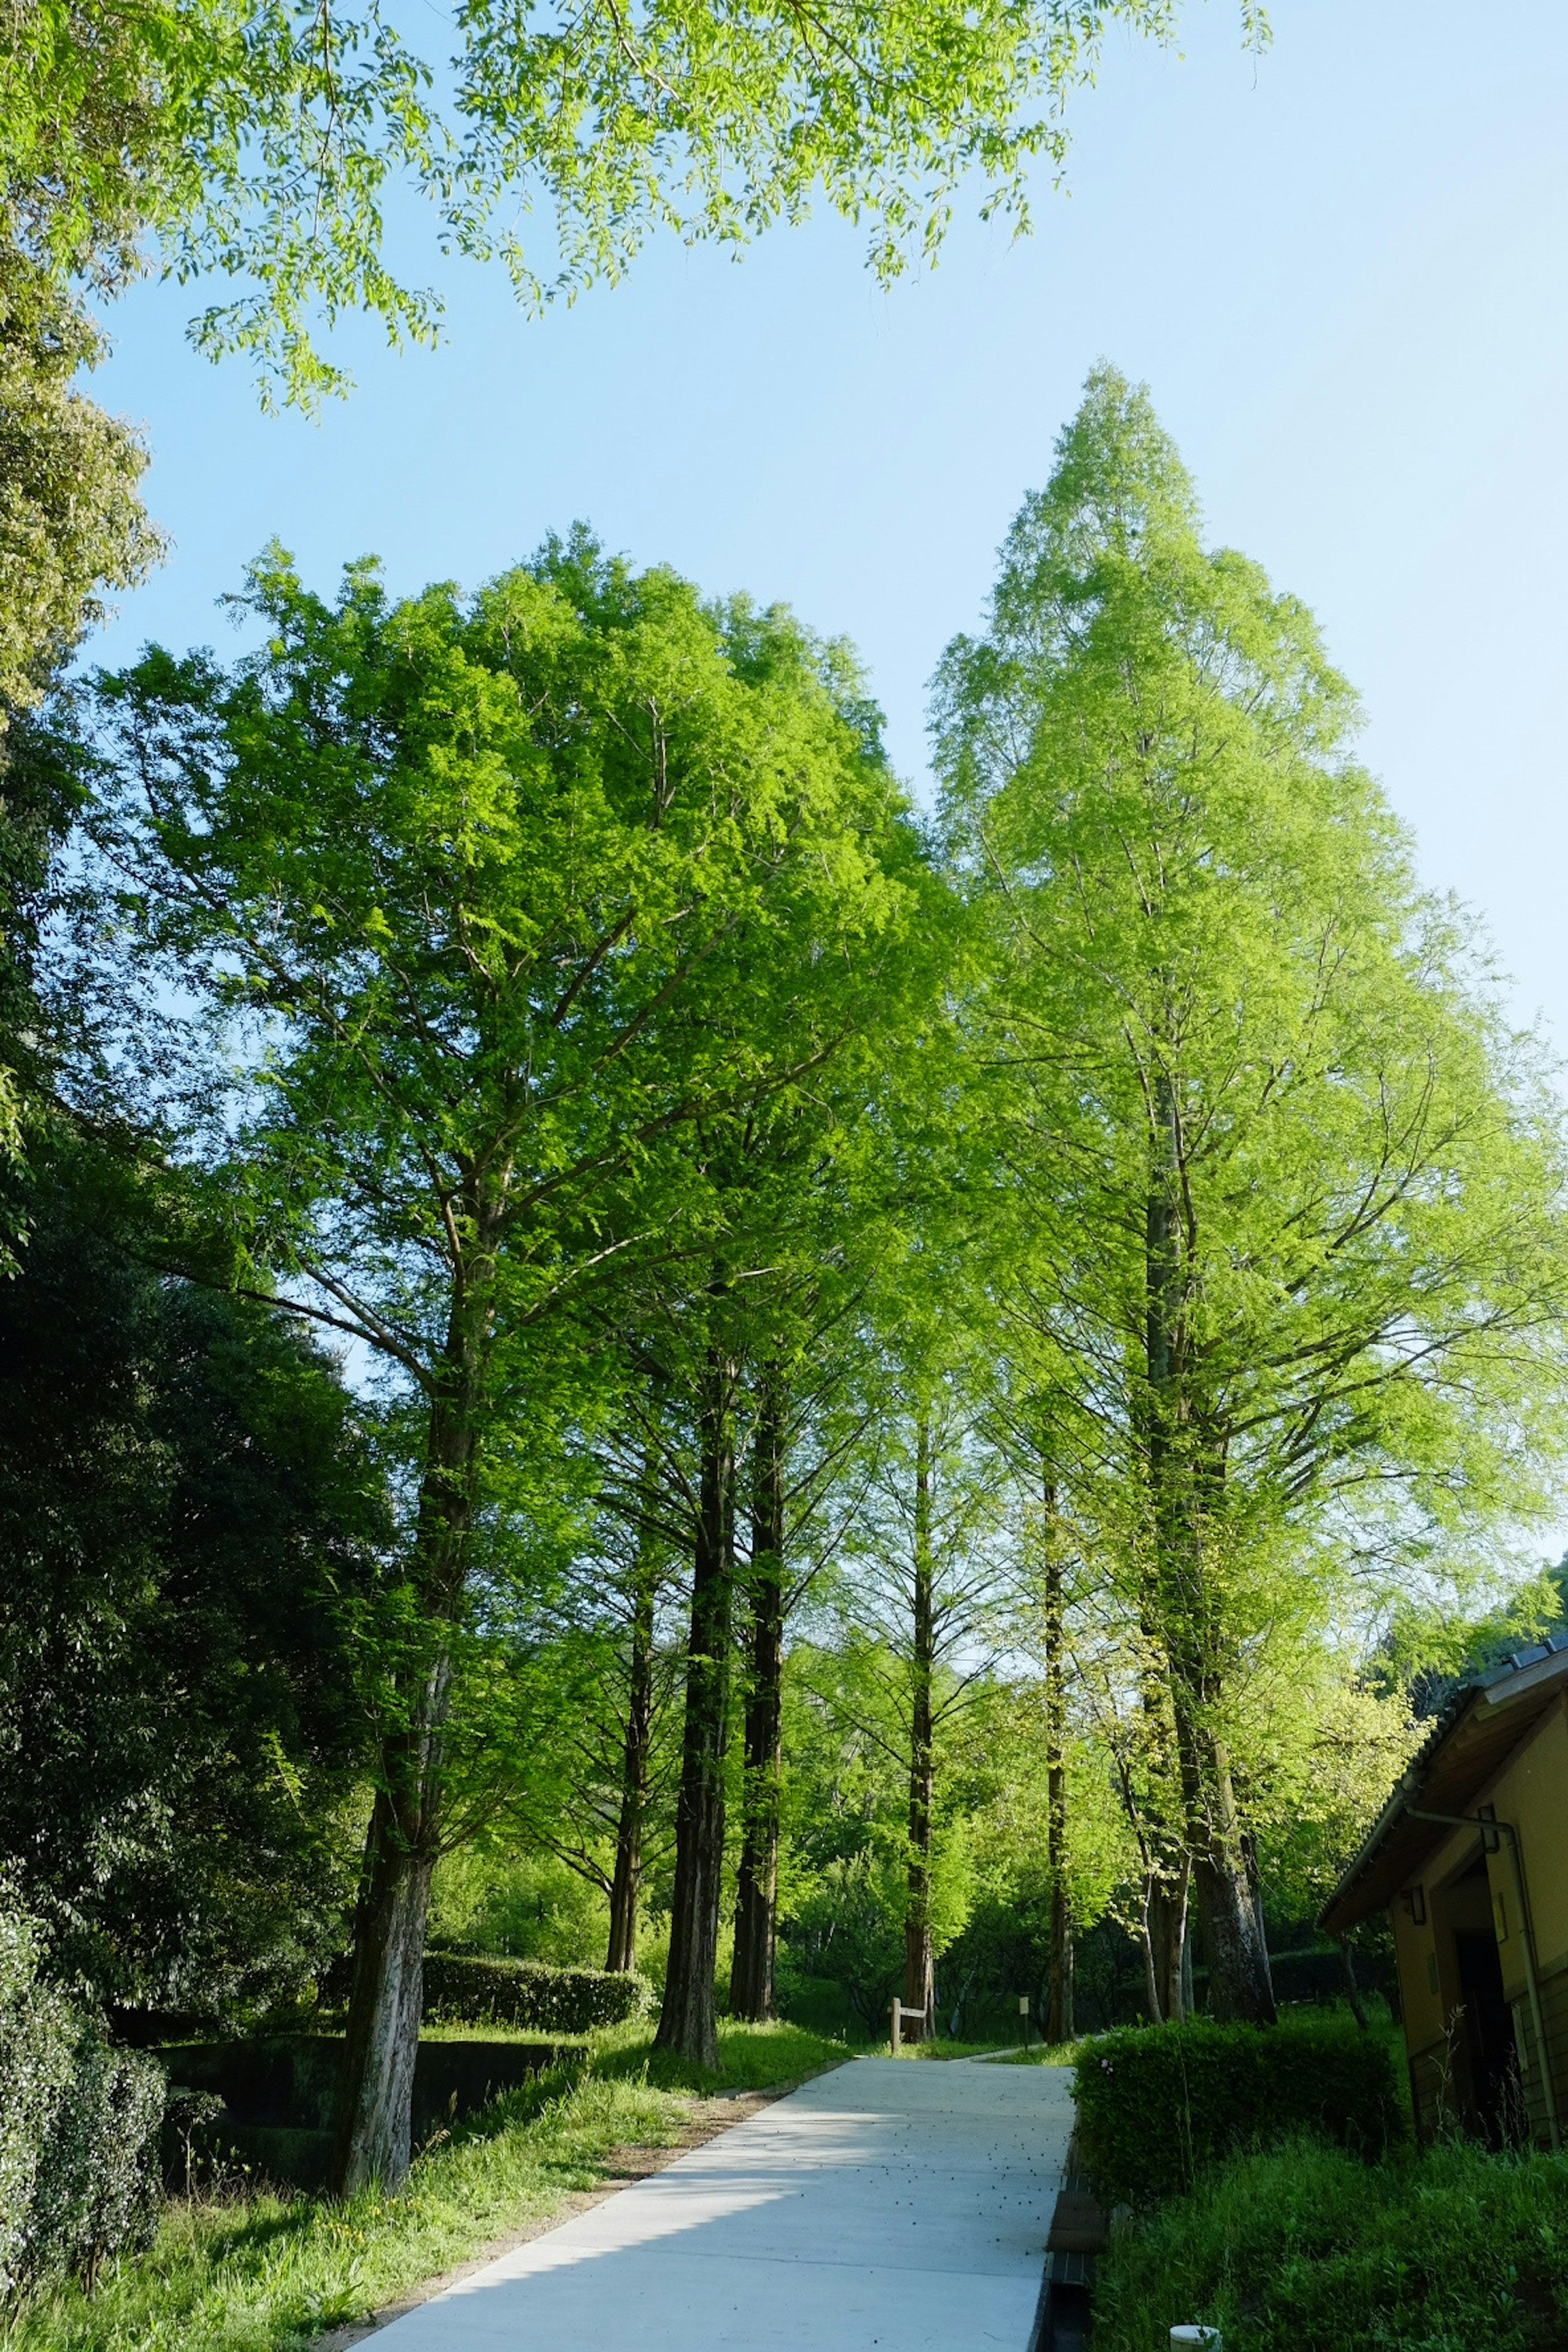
[{"x": 268, "y": 141}]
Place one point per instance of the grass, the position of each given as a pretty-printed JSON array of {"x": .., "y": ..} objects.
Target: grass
[
  {"x": 1043, "y": 2054},
  {"x": 1305, "y": 2248},
  {"x": 268, "y": 2273}
]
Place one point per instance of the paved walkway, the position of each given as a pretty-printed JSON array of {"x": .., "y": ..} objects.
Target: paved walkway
[{"x": 891, "y": 2204}]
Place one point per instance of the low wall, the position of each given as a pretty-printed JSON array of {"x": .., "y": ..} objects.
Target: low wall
[{"x": 279, "y": 2093}]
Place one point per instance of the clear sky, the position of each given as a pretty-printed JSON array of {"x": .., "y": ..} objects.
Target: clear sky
[{"x": 1339, "y": 268}]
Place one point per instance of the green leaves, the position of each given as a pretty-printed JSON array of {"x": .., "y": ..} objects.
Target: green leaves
[{"x": 260, "y": 140}]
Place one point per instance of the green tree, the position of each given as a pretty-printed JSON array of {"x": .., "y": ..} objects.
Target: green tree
[
  {"x": 260, "y": 140},
  {"x": 188, "y": 1501},
  {"x": 1294, "y": 1191},
  {"x": 71, "y": 524},
  {"x": 473, "y": 898}
]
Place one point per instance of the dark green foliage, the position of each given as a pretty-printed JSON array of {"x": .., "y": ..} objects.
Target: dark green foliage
[
  {"x": 184, "y": 1497},
  {"x": 78, "y": 2126},
  {"x": 1155, "y": 2104},
  {"x": 472, "y": 1991},
  {"x": 1305, "y": 2248}
]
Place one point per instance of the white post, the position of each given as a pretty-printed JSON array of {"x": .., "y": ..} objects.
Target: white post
[{"x": 898, "y": 2020}]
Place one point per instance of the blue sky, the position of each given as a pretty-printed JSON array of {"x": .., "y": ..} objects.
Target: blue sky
[{"x": 1339, "y": 268}]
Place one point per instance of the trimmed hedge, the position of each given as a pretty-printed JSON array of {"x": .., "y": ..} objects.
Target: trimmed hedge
[
  {"x": 80, "y": 2174},
  {"x": 1157, "y": 2103},
  {"x": 461, "y": 1988}
]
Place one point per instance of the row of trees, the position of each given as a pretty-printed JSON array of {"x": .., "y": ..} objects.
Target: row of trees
[{"x": 1041, "y": 1283}]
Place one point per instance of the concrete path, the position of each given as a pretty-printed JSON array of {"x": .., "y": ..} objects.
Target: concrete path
[{"x": 896, "y": 2204}]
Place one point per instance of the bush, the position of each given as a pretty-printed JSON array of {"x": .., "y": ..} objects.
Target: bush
[
  {"x": 1308, "y": 2248},
  {"x": 465, "y": 1990},
  {"x": 1156, "y": 2103},
  {"x": 79, "y": 2128}
]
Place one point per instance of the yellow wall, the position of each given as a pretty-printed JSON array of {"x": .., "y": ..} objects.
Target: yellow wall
[{"x": 1531, "y": 1791}]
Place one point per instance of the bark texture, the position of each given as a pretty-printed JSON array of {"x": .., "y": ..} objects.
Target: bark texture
[
  {"x": 374, "y": 2115},
  {"x": 374, "y": 2130},
  {"x": 756, "y": 1892},
  {"x": 688, "y": 2023},
  {"x": 919, "y": 1975}
]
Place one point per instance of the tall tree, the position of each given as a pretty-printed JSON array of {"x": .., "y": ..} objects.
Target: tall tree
[
  {"x": 920, "y": 1585},
  {"x": 1296, "y": 1190},
  {"x": 473, "y": 889}
]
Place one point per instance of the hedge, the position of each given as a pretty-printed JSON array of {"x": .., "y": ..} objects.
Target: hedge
[
  {"x": 467, "y": 1990},
  {"x": 1156, "y": 2103},
  {"x": 80, "y": 2174}
]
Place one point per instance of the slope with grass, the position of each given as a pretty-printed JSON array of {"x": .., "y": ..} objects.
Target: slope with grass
[
  {"x": 255, "y": 2273},
  {"x": 1307, "y": 2249}
]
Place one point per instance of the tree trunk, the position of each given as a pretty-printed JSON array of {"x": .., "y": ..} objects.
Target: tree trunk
[
  {"x": 756, "y": 1896},
  {"x": 374, "y": 2129},
  {"x": 919, "y": 1975},
  {"x": 1239, "y": 1985},
  {"x": 1183, "y": 1473},
  {"x": 1058, "y": 2011},
  {"x": 1352, "y": 1990},
  {"x": 1166, "y": 1911},
  {"x": 626, "y": 1884},
  {"x": 686, "y": 2022},
  {"x": 374, "y": 2126},
  {"x": 1150, "y": 1963}
]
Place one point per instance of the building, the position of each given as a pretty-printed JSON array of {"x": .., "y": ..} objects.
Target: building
[{"x": 1470, "y": 1858}]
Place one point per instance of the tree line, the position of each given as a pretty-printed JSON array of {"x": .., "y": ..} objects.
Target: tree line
[{"x": 583, "y": 1275}]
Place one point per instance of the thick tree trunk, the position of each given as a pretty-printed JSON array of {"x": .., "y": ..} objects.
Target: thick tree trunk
[
  {"x": 374, "y": 2131},
  {"x": 920, "y": 1974},
  {"x": 756, "y": 1894},
  {"x": 686, "y": 2023},
  {"x": 627, "y": 1882},
  {"x": 1239, "y": 1984},
  {"x": 1058, "y": 2011}
]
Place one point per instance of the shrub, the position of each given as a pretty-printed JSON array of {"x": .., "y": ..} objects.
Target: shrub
[
  {"x": 79, "y": 2128},
  {"x": 460, "y": 1988},
  {"x": 1156, "y": 2103}
]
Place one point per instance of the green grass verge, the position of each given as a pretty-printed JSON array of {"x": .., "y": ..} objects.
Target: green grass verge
[
  {"x": 1305, "y": 2249},
  {"x": 1043, "y": 2054},
  {"x": 263, "y": 2274}
]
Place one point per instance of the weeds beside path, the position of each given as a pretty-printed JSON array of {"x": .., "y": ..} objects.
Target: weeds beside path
[
  {"x": 1308, "y": 2247},
  {"x": 264, "y": 2273}
]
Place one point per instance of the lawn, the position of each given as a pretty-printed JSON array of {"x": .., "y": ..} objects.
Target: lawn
[
  {"x": 1305, "y": 2248},
  {"x": 263, "y": 2274}
]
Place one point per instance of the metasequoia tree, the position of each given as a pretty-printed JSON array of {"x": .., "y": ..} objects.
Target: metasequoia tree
[
  {"x": 463, "y": 899},
  {"x": 1294, "y": 1190},
  {"x": 924, "y": 1576},
  {"x": 809, "y": 1422},
  {"x": 258, "y": 138},
  {"x": 596, "y": 1797}
]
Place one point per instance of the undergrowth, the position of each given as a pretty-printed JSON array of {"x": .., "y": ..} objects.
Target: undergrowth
[{"x": 1307, "y": 2249}]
